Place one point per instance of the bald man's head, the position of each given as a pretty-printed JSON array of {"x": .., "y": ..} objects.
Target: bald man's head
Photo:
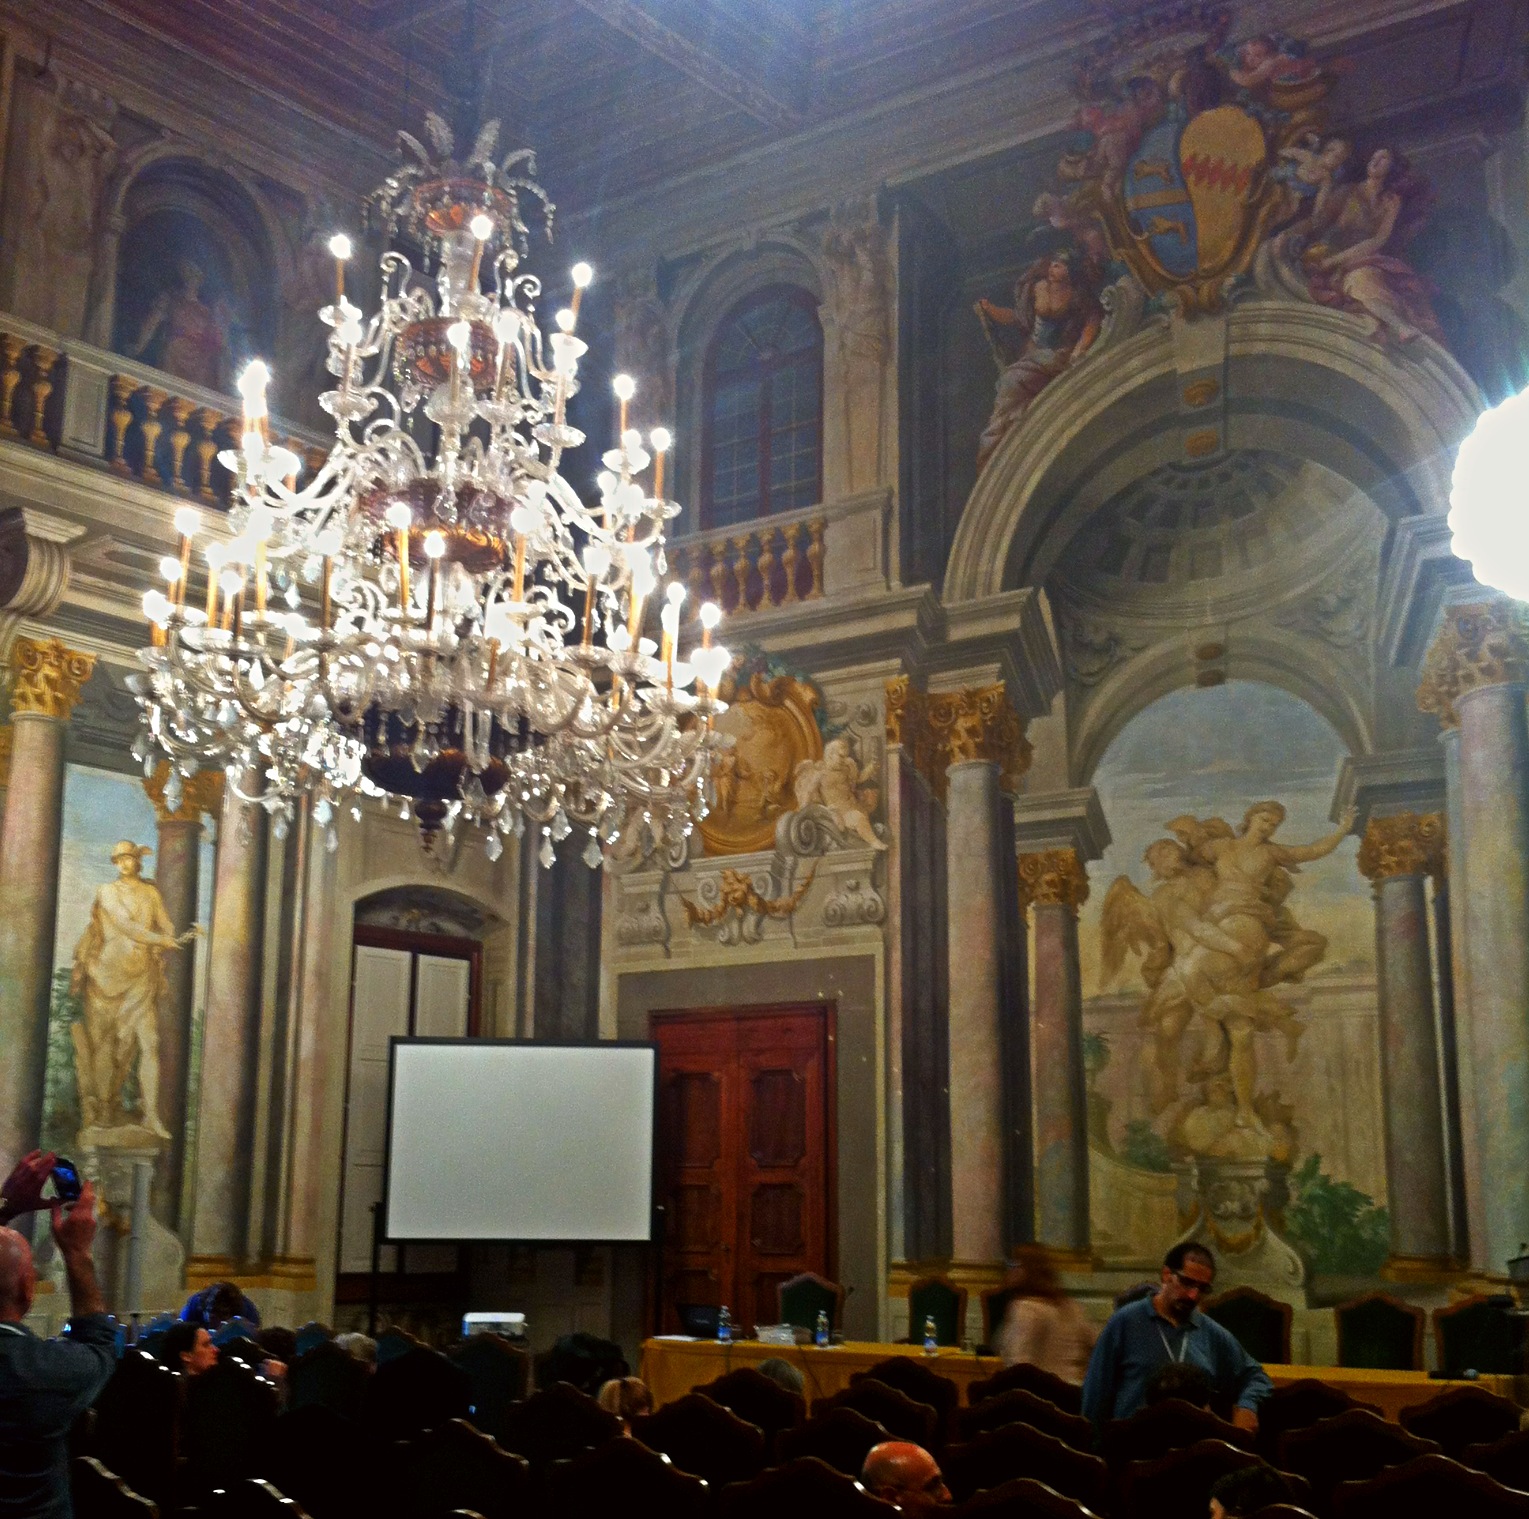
[
  {"x": 18, "y": 1277},
  {"x": 904, "y": 1474}
]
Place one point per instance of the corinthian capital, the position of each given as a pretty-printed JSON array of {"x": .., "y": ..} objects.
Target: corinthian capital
[
  {"x": 46, "y": 677},
  {"x": 1053, "y": 877},
  {"x": 1408, "y": 844},
  {"x": 1484, "y": 644},
  {"x": 979, "y": 724}
]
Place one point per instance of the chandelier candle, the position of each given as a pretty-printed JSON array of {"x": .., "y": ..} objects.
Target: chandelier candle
[{"x": 500, "y": 702}]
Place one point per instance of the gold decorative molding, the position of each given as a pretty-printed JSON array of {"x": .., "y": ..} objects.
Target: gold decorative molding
[
  {"x": 1484, "y": 644},
  {"x": 203, "y": 793},
  {"x": 907, "y": 713},
  {"x": 1408, "y": 844},
  {"x": 979, "y": 724},
  {"x": 1052, "y": 878},
  {"x": 46, "y": 677}
]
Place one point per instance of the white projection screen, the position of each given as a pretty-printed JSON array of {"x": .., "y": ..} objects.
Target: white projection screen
[{"x": 511, "y": 1140}]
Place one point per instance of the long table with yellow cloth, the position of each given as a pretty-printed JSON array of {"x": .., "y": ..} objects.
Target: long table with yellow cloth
[{"x": 672, "y": 1366}]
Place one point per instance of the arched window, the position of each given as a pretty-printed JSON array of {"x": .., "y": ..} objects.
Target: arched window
[{"x": 763, "y": 450}]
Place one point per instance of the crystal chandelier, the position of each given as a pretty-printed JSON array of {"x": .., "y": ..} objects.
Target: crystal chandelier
[{"x": 436, "y": 617}]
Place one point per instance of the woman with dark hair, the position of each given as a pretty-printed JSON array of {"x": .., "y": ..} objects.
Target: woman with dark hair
[{"x": 1042, "y": 1326}]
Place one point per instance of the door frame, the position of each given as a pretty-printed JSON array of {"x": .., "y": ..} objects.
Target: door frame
[{"x": 828, "y": 1008}]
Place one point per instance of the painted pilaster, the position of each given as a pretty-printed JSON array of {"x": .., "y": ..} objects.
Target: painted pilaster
[
  {"x": 230, "y": 1036},
  {"x": 1474, "y": 678},
  {"x": 991, "y": 1160},
  {"x": 45, "y": 685},
  {"x": 1397, "y": 854},
  {"x": 177, "y": 874},
  {"x": 1053, "y": 884}
]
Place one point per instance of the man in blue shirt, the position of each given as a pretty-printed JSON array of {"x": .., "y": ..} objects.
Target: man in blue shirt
[
  {"x": 45, "y": 1385},
  {"x": 1153, "y": 1332}
]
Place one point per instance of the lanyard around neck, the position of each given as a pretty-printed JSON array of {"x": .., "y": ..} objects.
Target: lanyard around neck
[{"x": 1168, "y": 1349}]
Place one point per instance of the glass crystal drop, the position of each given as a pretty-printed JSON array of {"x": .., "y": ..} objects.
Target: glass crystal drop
[
  {"x": 331, "y": 841},
  {"x": 322, "y": 812},
  {"x": 174, "y": 791},
  {"x": 561, "y": 827},
  {"x": 546, "y": 854},
  {"x": 279, "y": 825},
  {"x": 355, "y": 814},
  {"x": 593, "y": 854},
  {"x": 148, "y": 765},
  {"x": 492, "y": 847}
]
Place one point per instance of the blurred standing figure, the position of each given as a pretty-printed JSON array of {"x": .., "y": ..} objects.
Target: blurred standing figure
[{"x": 1042, "y": 1326}]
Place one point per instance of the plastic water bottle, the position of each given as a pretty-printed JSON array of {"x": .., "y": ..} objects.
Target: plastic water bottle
[
  {"x": 724, "y": 1325},
  {"x": 821, "y": 1337},
  {"x": 931, "y": 1337}
]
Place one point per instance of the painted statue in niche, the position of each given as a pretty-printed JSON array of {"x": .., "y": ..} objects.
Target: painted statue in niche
[
  {"x": 179, "y": 308},
  {"x": 1216, "y": 937},
  {"x": 119, "y": 979},
  {"x": 73, "y": 156},
  {"x": 842, "y": 785}
]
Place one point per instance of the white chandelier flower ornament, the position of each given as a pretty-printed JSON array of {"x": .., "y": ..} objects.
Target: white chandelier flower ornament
[{"x": 436, "y": 617}]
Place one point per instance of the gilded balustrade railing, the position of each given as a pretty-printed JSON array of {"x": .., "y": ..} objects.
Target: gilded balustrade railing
[
  {"x": 84, "y": 403},
  {"x": 748, "y": 569}
]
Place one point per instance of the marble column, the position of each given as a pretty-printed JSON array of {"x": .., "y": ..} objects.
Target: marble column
[
  {"x": 46, "y": 678},
  {"x": 177, "y": 873},
  {"x": 1474, "y": 677},
  {"x": 1054, "y": 884},
  {"x": 1398, "y": 853},
  {"x": 230, "y": 1040},
  {"x": 983, "y": 743}
]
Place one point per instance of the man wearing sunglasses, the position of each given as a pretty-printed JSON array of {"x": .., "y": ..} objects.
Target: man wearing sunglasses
[{"x": 1166, "y": 1328}]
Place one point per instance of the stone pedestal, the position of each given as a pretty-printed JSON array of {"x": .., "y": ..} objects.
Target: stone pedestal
[
  {"x": 1236, "y": 1209},
  {"x": 139, "y": 1260},
  {"x": 45, "y": 685},
  {"x": 1054, "y": 884},
  {"x": 1398, "y": 853}
]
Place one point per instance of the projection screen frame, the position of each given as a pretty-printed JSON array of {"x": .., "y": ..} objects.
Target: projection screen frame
[{"x": 653, "y": 1209}]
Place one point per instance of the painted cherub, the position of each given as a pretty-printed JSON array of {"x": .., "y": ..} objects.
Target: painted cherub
[
  {"x": 835, "y": 782},
  {"x": 1309, "y": 165}
]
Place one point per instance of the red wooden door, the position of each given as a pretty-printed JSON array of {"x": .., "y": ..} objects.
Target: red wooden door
[{"x": 745, "y": 1154}]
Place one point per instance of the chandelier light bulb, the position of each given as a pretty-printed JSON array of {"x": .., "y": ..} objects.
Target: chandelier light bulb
[
  {"x": 711, "y": 614},
  {"x": 339, "y": 246},
  {"x": 398, "y": 516},
  {"x": 435, "y": 545},
  {"x": 661, "y": 440},
  {"x": 625, "y": 387},
  {"x": 597, "y": 560},
  {"x": 481, "y": 226},
  {"x": 329, "y": 542},
  {"x": 675, "y": 593},
  {"x": 565, "y": 320},
  {"x": 231, "y": 582},
  {"x": 170, "y": 568},
  {"x": 216, "y": 556},
  {"x": 459, "y": 335},
  {"x": 581, "y": 274},
  {"x": 188, "y": 520},
  {"x": 252, "y": 387}
]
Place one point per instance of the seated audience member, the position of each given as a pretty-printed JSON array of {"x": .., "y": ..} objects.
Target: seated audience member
[
  {"x": 904, "y": 1474},
  {"x": 783, "y": 1374},
  {"x": 359, "y": 1347},
  {"x": 214, "y": 1306},
  {"x": 1147, "y": 1335},
  {"x": 626, "y": 1397},
  {"x": 45, "y": 1385},
  {"x": 1179, "y": 1380},
  {"x": 188, "y": 1349},
  {"x": 1241, "y": 1494},
  {"x": 1042, "y": 1326}
]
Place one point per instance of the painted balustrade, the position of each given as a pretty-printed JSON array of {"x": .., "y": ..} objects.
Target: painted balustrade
[
  {"x": 772, "y": 563},
  {"x": 87, "y": 404}
]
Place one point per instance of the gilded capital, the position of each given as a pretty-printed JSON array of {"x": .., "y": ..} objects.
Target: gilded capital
[
  {"x": 203, "y": 793},
  {"x": 1484, "y": 644},
  {"x": 1408, "y": 844},
  {"x": 979, "y": 724},
  {"x": 46, "y": 677},
  {"x": 1052, "y": 877},
  {"x": 907, "y": 712}
]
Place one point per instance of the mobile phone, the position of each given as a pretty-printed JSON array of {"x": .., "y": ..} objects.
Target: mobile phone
[{"x": 66, "y": 1180}]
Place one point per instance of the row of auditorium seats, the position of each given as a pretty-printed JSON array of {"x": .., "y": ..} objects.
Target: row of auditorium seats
[{"x": 403, "y": 1446}]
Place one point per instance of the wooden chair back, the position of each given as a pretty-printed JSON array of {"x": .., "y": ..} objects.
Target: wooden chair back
[
  {"x": 799, "y": 1300},
  {"x": 1506, "y": 1459},
  {"x": 416, "y": 1391},
  {"x": 995, "y": 1303},
  {"x": 1260, "y": 1323},
  {"x": 755, "y": 1397},
  {"x": 1349, "y": 1447},
  {"x": 250, "y": 1498},
  {"x": 457, "y": 1466},
  {"x": 1381, "y": 1332},
  {"x": 1431, "y": 1487},
  {"x": 499, "y": 1374},
  {"x": 1299, "y": 1405},
  {"x": 802, "y": 1489},
  {"x": 920, "y": 1382},
  {"x": 1017, "y": 1450},
  {"x": 556, "y": 1424},
  {"x": 704, "y": 1439},
  {"x": 1284, "y": 1511},
  {"x": 900, "y": 1415},
  {"x": 1017, "y": 1406},
  {"x": 1177, "y": 1485},
  {"x": 1479, "y": 1334},
  {"x": 625, "y": 1477},
  {"x": 1172, "y": 1424},
  {"x": 330, "y": 1376},
  {"x": 331, "y": 1466},
  {"x": 1462, "y": 1416},
  {"x": 137, "y": 1420},
  {"x": 1023, "y": 1498},
  {"x": 1067, "y": 1396},
  {"x": 101, "y": 1494},
  {"x": 227, "y": 1417},
  {"x": 841, "y": 1438},
  {"x": 940, "y": 1299}
]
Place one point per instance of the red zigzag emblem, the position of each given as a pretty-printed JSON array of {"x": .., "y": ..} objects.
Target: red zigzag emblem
[{"x": 1216, "y": 173}]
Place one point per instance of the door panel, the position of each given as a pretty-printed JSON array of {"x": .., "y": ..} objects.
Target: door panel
[
  {"x": 743, "y": 1155},
  {"x": 443, "y": 997}
]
